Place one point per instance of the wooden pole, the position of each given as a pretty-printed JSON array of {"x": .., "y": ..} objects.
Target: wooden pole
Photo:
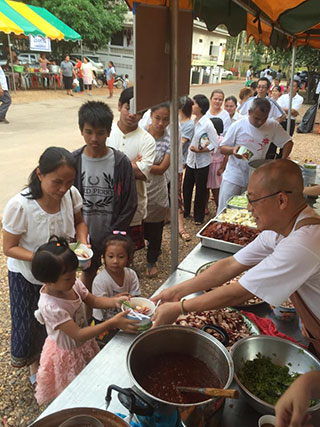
[
  {"x": 11, "y": 61},
  {"x": 294, "y": 52}
]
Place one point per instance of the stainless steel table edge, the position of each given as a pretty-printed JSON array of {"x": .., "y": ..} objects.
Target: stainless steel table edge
[{"x": 200, "y": 255}]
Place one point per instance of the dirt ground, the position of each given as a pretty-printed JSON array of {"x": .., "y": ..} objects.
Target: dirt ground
[{"x": 17, "y": 404}]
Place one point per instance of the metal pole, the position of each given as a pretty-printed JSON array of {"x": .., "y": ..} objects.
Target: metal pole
[
  {"x": 174, "y": 132},
  {"x": 294, "y": 52},
  {"x": 12, "y": 70}
]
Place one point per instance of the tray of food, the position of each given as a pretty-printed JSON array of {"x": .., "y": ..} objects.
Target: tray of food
[
  {"x": 236, "y": 324},
  {"x": 237, "y": 216},
  {"x": 226, "y": 237},
  {"x": 238, "y": 202},
  {"x": 251, "y": 302}
]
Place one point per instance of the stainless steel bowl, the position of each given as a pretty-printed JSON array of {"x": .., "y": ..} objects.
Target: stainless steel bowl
[{"x": 281, "y": 352}]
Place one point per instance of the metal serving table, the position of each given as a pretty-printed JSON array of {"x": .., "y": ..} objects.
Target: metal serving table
[{"x": 89, "y": 388}]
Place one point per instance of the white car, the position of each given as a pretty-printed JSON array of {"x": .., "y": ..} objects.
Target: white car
[{"x": 226, "y": 74}]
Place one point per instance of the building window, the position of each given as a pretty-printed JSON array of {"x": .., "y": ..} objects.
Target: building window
[
  {"x": 117, "y": 39},
  {"x": 211, "y": 48}
]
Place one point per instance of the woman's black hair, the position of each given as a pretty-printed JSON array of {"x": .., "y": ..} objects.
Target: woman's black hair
[
  {"x": 278, "y": 88},
  {"x": 186, "y": 106},
  {"x": 203, "y": 103},
  {"x": 231, "y": 98},
  {"x": 120, "y": 238},
  {"x": 218, "y": 124},
  {"x": 97, "y": 114},
  {"x": 162, "y": 105},
  {"x": 50, "y": 160},
  {"x": 53, "y": 259}
]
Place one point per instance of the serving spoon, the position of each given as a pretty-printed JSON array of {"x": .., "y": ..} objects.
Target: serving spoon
[{"x": 212, "y": 392}]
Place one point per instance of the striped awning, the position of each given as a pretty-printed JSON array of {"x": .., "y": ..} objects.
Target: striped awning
[
  {"x": 19, "y": 18},
  {"x": 274, "y": 22}
]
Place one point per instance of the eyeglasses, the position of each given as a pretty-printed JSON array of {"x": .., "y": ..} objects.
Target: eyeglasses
[{"x": 265, "y": 197}]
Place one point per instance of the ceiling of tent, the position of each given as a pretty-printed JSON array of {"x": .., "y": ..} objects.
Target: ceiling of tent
[
  {"x": 19, "y": 18},
  {"x": 275, "y": 22}
]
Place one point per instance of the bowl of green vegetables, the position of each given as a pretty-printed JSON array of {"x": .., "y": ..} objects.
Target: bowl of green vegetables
[{"x": 266, "y": 366}]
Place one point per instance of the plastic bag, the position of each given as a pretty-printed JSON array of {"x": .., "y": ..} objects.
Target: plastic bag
[
  {"x": 76, "y": 82},
  {"x": 95, "y": 82},
  {"x": 308, "y": 119}
]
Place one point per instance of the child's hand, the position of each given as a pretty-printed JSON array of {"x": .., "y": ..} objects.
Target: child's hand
[
  {"x": 120, "y": 298},
  {"x": 121, "y": 322},
  {"x": 220, "y": 171}
]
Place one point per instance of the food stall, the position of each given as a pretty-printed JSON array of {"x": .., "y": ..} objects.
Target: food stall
[{"x": 111, "y": 365}]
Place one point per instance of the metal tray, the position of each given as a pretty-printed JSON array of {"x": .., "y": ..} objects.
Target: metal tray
[
  {"x": 229, "y": 205},
  {"x": 229, "y": 222},
  {"x": 221, "y": 245}
]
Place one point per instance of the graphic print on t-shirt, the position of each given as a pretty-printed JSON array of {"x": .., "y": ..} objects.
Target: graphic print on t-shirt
[{"x": 98, "y": 193}]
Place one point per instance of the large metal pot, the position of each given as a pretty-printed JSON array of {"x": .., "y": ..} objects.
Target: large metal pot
[
  {"x": 61, "y": 417},
  {"x": 54, "y": 68},
  {"x": 255, "y": 164},
  {"x": 197, "y": 343}
]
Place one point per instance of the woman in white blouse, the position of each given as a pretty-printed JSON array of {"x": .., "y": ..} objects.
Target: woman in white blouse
[
  {"x": 205, "y": 139},
  {"x": 48, "y": 205}
]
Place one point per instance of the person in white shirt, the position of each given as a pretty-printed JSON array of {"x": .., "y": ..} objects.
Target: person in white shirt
[
  {"x": 139, "y": 146},
  {"x": 249, "y": 75},
  {"x": 205, "y": 139},
  {"x": 255, "y": 133},
  {"x": 282, "y": 262},
  {"x": 5, "y": 97},
  {"x": 276, "y": 111},
  {"x": 216, "y": 109},
  {"x": 297, "y": 101},
  {"x": 230, "y": 105}
]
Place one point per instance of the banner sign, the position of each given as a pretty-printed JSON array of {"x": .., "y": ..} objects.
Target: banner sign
[{"x": 39, "y": 43}]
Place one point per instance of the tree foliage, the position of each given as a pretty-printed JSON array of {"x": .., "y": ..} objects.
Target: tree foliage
[{"x": 95, "y": 20}]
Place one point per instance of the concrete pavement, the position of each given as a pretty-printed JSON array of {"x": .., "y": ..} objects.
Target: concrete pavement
[{"x": 35, "y": 126}]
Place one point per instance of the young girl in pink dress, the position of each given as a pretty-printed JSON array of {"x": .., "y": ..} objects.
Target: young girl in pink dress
[
  {"x": 70, "y": 344},
  {"x": 217, "y": 166}
]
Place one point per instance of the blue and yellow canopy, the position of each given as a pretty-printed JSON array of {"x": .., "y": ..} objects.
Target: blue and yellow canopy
[{"x": 19, "y": 18}]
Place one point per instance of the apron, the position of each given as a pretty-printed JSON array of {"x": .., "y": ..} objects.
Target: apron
[{"x": 310, "y": 321}]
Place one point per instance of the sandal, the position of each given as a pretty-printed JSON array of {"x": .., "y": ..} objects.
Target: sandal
[
  {"x": 184, "y": 236},
  {"x": 151, "y": 270}
]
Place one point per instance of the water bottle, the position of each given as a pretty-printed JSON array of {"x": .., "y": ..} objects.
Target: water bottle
[{"x": 309, "y": 173}]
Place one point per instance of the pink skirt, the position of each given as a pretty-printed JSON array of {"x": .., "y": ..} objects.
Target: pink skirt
[
  {"x": 214, "y": 181},
  {"x": 59, "y": 367}
]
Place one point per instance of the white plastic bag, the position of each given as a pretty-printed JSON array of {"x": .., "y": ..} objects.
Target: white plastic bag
[{"x": 76, "y": 82}]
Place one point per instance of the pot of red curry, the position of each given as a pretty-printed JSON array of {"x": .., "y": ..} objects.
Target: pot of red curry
[{"x": 166, "y": 357}]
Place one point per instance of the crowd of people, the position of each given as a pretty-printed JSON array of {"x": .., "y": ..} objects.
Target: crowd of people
[{"x": 112, "y": 194}]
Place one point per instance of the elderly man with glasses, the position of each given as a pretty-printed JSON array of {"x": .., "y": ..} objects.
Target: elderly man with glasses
[
  {"x": 282, "y": 262},
  {"x": 255, "y": 133}
]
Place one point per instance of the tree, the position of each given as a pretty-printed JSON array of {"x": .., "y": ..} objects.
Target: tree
[{"x": 95, "y": 20}]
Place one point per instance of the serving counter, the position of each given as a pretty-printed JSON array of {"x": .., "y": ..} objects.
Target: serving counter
[{"x": 89, "y": 388}]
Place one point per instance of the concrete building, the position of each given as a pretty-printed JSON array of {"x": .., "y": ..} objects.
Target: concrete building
[{"x": 208, "y": 51}]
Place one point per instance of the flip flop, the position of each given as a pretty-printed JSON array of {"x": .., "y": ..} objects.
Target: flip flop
[{"x": 149, "y": 269}]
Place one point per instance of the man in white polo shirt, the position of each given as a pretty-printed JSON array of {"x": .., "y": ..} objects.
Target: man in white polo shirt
[
  {"x": 297, "y": 101},
  {"x": 139, "y": 146},
  {"x": 254, "y": 132},
  {"x": 5, "y": 97}
]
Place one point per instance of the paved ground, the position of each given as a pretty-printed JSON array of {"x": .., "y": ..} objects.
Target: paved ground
[{"x": 37, "y": 125}]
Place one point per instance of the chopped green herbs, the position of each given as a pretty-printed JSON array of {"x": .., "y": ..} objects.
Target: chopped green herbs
[{"x": 265, "y": 379}]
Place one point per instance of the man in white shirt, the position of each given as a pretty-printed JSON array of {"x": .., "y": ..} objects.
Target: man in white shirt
[
  {"x": 5, "y": 97},
  {"x": 254, "y": 132},
  {"x": 297, "y": 101},
  {"x": 139, "y": 146},
  {"x": 249, "y": 75},
  {"x": 282, "y": 262}
]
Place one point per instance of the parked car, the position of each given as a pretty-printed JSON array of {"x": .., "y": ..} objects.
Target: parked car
[
  {"x": 28, "y": 58},
  {"x": 257, "y": 73},
  {"x": 226, "y": 74}
]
